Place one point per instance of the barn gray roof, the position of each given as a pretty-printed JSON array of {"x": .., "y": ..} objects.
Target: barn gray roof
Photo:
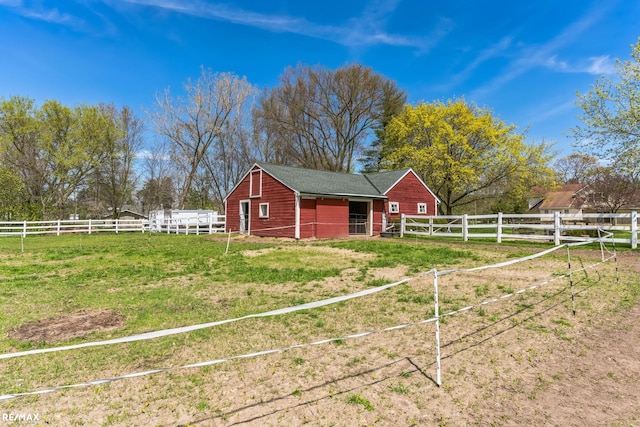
[{"x": 309, "y": 181}]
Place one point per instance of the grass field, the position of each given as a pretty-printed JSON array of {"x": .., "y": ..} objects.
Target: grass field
[{"x": 147, "y": 283}]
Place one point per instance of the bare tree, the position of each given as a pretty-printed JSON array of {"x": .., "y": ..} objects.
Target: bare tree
[
  {"x": 156, "y": 161},
  {"x": 575, "y": 168},
  {"x": 392, "y": 103},
  {"x": 194, "y": 124},
  {"x": 156, "y": 193},
  {"x": 612, "y": 190},
  {"x": 231, "y": 157},
  {"x": 320, "y": 118},
  {"x": 116, "y": 174}
]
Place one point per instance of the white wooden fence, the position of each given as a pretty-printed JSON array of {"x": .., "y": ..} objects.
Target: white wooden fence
[
  {"x": 195, "y": 224},
  {"x": 557, "y": 226},
  {"x": 90, "y": 226}
]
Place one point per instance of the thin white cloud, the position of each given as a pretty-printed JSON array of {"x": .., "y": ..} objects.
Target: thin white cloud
[
  {"x": 53, "y": 16},
  {"x": 94, "y": 22},
  {"x": 40, "y": 13},
  {"x": 369, "y": 29},
  {"x": 495, "y": 51},
  {"x": 601, "y": 65},
  {"x": 596, "y": 65},
  {"x": 364, "y": 30},
  {"x": 545, "y": 55},
  {"x": 549, "y": 112},
  {"x": 492, "y": 52},
  {"x": 553, "y": 63}
]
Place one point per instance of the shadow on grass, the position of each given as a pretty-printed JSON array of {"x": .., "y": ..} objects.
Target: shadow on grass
[
  {"x": 225, "y": 415},
  {"x": 414, "y": 367}
]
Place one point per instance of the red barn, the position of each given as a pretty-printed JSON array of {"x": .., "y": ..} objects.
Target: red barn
[{"x": 283, "y": 201}]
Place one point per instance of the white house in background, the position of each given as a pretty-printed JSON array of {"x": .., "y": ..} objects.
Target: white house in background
[{"x": 568, "y": 199}]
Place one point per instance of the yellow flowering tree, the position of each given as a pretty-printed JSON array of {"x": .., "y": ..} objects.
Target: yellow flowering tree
[{"x": 464, "y": 154}]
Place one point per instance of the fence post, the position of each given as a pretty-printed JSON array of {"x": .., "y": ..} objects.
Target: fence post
[
  {"x": 634, "y": 229},
  {"x": 430, "y": 226},
  {"x": 601, "y": 245},
  {"x": 499, "y": 228},
  {"x": 437, "y": 317},
  {"x": 403, "y": 223},
  {"x": 465, "y": 227},
  {"x": 58, "y": 229},
  {"x": 573, "y": 297},
  {"x": 89, "y": 225},
  {"x": 116, "y": 225},
  {"x": 556, "y": 228},
  {"x": 24, "y": 230}
]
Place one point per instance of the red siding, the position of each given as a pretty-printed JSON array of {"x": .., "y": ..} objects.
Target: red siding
[
  {"x": 408, "y": 192},
  {"x": 281, "y": 199},
  {"x": 256, "y": 182},
  {"x": 307, "y": 218},
  {"x": 320, "y": 217},
  {"x": 282, "y": 210},
  {"x": 332, "y": 218},
  {"x": 377, "y": 216}
]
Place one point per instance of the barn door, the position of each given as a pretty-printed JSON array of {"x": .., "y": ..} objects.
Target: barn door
[
  {"x": 358, "y": 217},
  {"x": 244, "y": 217}
]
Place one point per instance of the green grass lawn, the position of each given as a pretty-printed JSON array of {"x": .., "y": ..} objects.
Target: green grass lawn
[{"x": 163, "y": 281}]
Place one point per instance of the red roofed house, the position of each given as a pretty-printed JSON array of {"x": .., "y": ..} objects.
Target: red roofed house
[{"x": 284, "y": 201}]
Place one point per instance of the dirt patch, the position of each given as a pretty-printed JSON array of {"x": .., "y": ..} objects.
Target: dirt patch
[
  {"x": 522, "y": 360},
  {"x": 257, "y": 252},
  {"x": 347, "y": 253},
  {"x": 598, "y": 383},
  {"x": 62, "y": 328}
]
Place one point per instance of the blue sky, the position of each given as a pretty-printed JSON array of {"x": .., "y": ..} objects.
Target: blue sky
[{"x": 523, "y": 59}]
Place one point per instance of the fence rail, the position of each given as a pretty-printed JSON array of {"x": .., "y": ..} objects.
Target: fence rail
[
  {"x": 339, "y": 299},
  {"x": 556, "y": 227},
  {"x": 198, "y": 224},
  {"x": 90, "y": 226}
]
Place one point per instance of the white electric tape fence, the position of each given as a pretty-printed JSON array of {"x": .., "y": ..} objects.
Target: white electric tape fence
[
  {"x": 286, "y": 310},
  {"x": 303, "y": 225}
]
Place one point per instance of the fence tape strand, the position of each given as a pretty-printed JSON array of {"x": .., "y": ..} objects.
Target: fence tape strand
[
  {"x": 210, "y": 362},
  {"x": 184, "y": 329},
  {"x": 286, "y": 310}
]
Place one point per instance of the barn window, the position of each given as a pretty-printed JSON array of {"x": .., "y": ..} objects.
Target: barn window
[
  {"x": 255, "y": 183},
  {"x": 394, "y": 207},
  {"x": 422, "y": 208},
  {"x": 264, "y": 210}
]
